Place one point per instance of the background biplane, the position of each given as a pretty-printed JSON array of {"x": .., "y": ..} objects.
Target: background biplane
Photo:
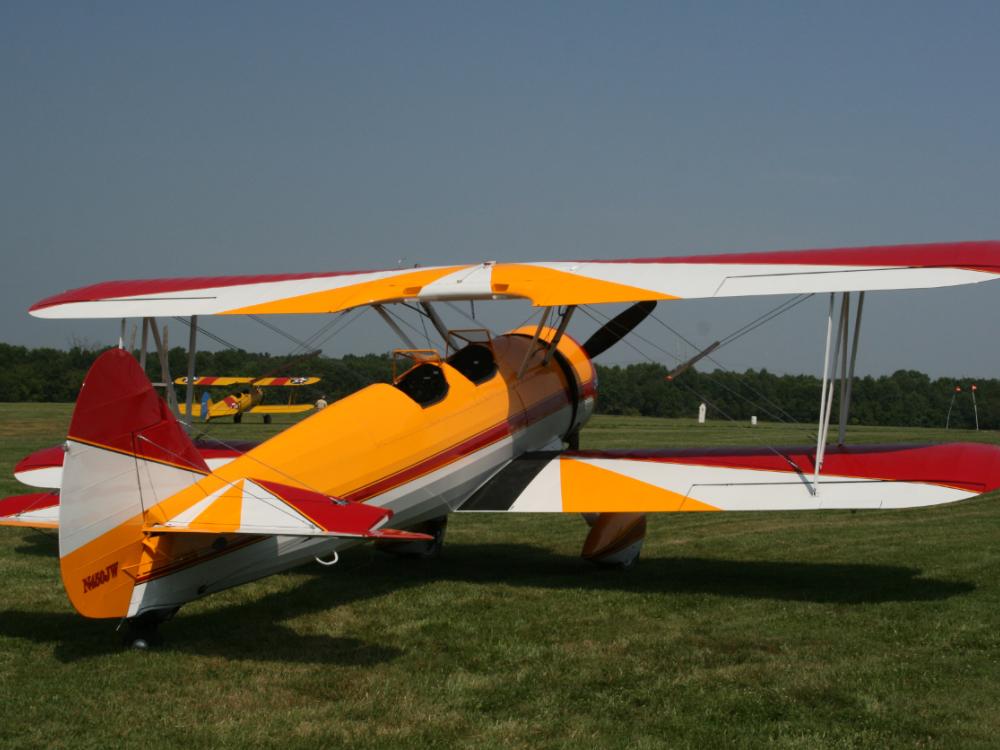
[
  {"x": 247, "y": 399},
  {"x": 146, "y": 523}
]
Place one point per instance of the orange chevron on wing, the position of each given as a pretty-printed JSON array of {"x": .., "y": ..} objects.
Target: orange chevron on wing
[
  {"x": 395, "y": 286},
  {"x": 225, "y": 511},
  {"x": 590, "y": 489},
  {"x": 547, "y": 287}
]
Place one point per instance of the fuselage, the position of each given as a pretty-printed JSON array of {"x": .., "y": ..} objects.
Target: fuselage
[{"x": 419, "y": 447}]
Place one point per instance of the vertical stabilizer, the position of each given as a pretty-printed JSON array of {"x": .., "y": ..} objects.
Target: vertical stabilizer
[{"x": 124, "y": 453}]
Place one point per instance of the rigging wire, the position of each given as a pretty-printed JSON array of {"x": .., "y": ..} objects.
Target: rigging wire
[
  {"x": 776, "y": 416},
  {"x": 721, "y": 411},
  {"x": 460, "y": 311},
  {"x": 279, "y": 331},
  {"x": 408, "y": 324},
  {"x": 209, "y": 334},
  {"x": 739, "y": 333}
]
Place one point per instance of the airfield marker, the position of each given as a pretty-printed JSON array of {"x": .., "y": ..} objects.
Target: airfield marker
[{"x": 975, "y": 409}]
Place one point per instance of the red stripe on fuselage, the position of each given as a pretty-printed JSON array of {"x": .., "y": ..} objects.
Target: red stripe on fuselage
[{"x": 516, "y": 422}]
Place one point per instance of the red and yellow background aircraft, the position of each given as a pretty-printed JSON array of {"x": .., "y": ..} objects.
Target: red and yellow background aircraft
[
  {"x": 248, "y": 399},
  {"x": 149, "y": 520}
]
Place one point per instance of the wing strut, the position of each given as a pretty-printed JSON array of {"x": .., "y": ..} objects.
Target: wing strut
[
  {"x": 162, "y": 352},
  {"x": 438, "y": 324},
  {"x": 563, "y": 322},
  {"x": 841, "y": 370},
  {"x": 845, "y": 394},
  {"x": 534, "y": 340},
  {"x": 145, "y": 344},
  {"x": 189, "y": 388},
  {"x": 395, "y": 327}
]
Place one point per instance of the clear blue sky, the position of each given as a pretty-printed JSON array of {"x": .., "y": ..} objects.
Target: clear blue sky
[{"x": 145, "y": 139}]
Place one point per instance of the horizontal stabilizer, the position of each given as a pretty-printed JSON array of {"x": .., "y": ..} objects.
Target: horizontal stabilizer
[
  {"x": 870, "y": 476},
  {"x": 544, "y": 283},
  {"x": 249, "y": 506},
  {"x": 39, "y": 510},
  {"x": 44, "y": 468}
]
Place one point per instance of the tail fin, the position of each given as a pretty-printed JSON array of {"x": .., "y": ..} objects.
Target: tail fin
[{"x": 125, "y": 453}]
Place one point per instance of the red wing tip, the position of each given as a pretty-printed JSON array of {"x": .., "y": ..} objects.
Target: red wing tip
[
  {"x": 46, "y": 458},
  {"x": 106, "y": 290},
  {"x": 17, "y": 504}
]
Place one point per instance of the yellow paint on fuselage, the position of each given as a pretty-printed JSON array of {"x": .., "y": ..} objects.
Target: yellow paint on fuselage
[{"x": 366, "y": 442}]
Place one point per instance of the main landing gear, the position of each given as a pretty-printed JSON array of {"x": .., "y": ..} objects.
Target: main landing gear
[
  {"x": 421, "y": 550},
  {"x": 143, "y": 632},
  {"x": 615, "y": 539}
]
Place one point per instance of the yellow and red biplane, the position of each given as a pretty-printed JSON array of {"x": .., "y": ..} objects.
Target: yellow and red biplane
[
  {"x": 148, "y": 520},
  {"x": 248, "y": 399}
]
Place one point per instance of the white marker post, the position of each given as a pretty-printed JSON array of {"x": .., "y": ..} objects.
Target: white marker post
[
  {"x": 975, "y": 409},
  {"x": 702, "y": 411}
]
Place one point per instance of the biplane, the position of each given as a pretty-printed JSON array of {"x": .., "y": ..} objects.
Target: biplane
[
  {"x": 248, "y": 399},
  {"x": 149, "y": 520}
]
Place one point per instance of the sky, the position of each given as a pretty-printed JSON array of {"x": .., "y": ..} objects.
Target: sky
[{"x": 146, "y": 140}]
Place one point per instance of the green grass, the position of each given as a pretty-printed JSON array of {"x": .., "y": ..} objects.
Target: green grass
[{"x": 831, "y": 629}]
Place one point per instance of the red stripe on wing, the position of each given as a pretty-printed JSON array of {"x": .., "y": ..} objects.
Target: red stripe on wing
[
  {"x": 150, "y": 287},
  {"x": 970, "y": 466},
  {"x": 980, "y": 256}
]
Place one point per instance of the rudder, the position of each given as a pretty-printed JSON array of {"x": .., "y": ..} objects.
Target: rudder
[{"x": 125, "y": 452}]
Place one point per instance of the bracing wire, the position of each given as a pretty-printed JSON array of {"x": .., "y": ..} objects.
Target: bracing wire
[
  {"x": 739, "y": 333},
  {"x": 209, "y": 334},
  {"x": 279, "y": 331},
  {"x": 714, "y": 406},
  {"x": 776, "y": 415}
]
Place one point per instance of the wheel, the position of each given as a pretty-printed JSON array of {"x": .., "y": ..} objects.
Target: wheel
[
  {"x": 237, "y": 418},
  {"x": 267, "y": 419}
]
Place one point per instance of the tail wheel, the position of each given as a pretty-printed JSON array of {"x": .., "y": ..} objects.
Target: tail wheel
[{"x": 237, "y": 418}]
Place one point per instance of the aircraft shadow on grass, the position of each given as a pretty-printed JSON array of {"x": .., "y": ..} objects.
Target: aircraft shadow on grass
[{"x": 253, "y": 630}]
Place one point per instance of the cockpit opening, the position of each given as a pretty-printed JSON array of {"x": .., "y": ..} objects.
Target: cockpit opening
[{"x": 424, "y": 381}]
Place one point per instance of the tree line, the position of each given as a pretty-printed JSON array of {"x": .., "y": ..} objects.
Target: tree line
[{"x": 905, "y": 398}]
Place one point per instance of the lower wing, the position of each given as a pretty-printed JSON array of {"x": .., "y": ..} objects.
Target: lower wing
[
  {"x": 896, "y": 476},
  {"x": 281, "y": 409},
  {"x": 39, "y": 510}
]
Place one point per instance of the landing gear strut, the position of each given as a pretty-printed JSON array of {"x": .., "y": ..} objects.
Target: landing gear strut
[
  {"x": 143, "y": 632},
  {"x": 422, "y": 550}
]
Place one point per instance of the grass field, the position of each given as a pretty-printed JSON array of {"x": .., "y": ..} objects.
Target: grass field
[{"x": 828, "y": 629}]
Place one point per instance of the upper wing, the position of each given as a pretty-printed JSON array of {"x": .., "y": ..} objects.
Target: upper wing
[
  {"x": 213, "y": 381},
  {"x": 548, "y": 283},
  {"x": 739, "y": 479},
  {"x": 286, "y": 382}
]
